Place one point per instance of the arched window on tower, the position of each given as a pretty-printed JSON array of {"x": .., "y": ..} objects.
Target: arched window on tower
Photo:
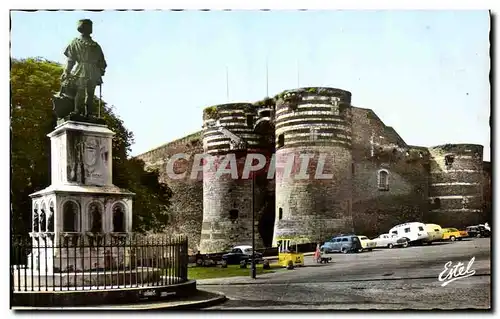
[
  {"x": 383, "y": 180},
  {"x": 250, "y": 120},
  {"x": 233, "y": 215},
  {"x": 118, "y": 218},
  {"x": 70, "y": 213},
  {"x": 281, "y": 141},
  {"x": 437, "y": 203}
]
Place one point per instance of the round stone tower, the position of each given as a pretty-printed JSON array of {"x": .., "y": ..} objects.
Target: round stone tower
[
  {"x": 228, "y": 137},
  {"x": 314, "y": 199},
  {"x": 455, "y": 192}
]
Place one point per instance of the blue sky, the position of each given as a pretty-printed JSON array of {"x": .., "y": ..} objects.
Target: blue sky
[{"x": 423, "y": 72}]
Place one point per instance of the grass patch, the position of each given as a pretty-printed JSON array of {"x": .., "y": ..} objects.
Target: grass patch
[{"x": 230, "y": 271}]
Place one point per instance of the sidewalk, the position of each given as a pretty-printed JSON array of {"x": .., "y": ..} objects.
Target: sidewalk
[
  {"x": 238, "y": 280},
  {"x": 202, "y": 299}
]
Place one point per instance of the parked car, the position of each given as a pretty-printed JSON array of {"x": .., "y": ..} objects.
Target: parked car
[
  {"x": 389, "y": 241},
  {"x": 239, "y": 254},
  {"x": 478, "y": 231},
  {"x": 413, "y": 232},
  {"x": 207, "y": 259},
  {"x": 487, "y": 226},
  {"x": 366, "y": 243},
  {"x": 454, "y": 234},
  {"x": 435, "y": 233},
  {"x": 486, "y": 232},
  {"x": 343, "y": 244}
]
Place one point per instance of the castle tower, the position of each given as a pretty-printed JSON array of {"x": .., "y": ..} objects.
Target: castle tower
[
  {"x": 81, "y": 197},
  {"x": 314, "y": 122},
  {"x": 456, "y": 187},
  {"x": 228, "y": 136}
]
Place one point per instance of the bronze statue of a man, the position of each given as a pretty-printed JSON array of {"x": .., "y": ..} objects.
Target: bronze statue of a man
[{"x": 88, "y": 57}]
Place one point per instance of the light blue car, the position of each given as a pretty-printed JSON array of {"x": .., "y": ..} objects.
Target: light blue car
[{"x": 342, "y": 244}]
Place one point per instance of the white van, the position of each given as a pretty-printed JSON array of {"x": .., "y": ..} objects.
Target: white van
[
  {"x": 434, "y": 231},
  {"x": 414, "y": 232}
]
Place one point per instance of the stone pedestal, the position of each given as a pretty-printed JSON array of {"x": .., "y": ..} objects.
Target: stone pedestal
[{"x": 81, "y": 197}]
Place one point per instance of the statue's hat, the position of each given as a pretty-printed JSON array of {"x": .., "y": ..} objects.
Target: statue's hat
[{"x": 84, "y": 23}]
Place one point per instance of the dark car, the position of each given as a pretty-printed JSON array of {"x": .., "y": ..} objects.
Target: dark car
[
  {"x": 478, "y": 231},
  {"x": 343, "y": 244},
  {"x": 239, "y": 254}
]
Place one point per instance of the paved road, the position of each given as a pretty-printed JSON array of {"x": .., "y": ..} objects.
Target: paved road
[{"x": 404, "y": 278}]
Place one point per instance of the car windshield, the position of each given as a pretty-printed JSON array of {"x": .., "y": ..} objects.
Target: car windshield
[
  {"x": 248, "y": 251},
  {"x": 452, "y": 229}
]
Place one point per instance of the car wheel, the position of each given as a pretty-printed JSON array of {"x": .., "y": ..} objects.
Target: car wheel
[
  {"x": 390, "y": 246},
  {"x": 360, "y": 250},
  {"x": 452, "y": 238},
  {"x": 344, "y": 250},
  {"x": 405, "y": 244},
  {"x": 199, "y": 262},
  {"x": 478, "y": 235}
]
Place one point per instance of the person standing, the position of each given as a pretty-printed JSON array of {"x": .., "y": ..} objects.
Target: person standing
[{"x": 317, "y": 254}]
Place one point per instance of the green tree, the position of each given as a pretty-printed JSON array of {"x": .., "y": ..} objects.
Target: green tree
[{"x": 33, "y": 83}]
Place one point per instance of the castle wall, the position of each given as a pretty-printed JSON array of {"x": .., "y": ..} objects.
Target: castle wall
[
  {"x": 313, "y": 121},
  {"x": 187, "y": 200},
  {"x": 377, "y": 148},
  {"x": 357, "y": 145},
  {"x": 456, "y": 185},
  {"x": 227, "y": 199}
]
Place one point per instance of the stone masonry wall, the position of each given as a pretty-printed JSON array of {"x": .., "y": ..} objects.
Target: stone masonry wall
[
  {"x": 187, "y": 199},
  {"x": 378, "y": 148},
  {"x": 313, "y": 121},
  {"x": 456, "y": 185},
  {"x": 227, "y": 200}
]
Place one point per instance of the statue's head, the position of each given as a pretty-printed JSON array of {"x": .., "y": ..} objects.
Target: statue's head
[{"x": 85, "y": 26}]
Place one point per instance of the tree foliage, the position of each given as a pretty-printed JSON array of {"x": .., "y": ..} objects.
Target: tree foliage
[{"x": 33, "y": 83}]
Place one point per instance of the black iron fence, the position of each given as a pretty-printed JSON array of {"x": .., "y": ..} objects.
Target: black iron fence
[{"x": 91, "y": 261}]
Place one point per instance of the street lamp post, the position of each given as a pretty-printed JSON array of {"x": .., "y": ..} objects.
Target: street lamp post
[{"x": 254, "y": 270}]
